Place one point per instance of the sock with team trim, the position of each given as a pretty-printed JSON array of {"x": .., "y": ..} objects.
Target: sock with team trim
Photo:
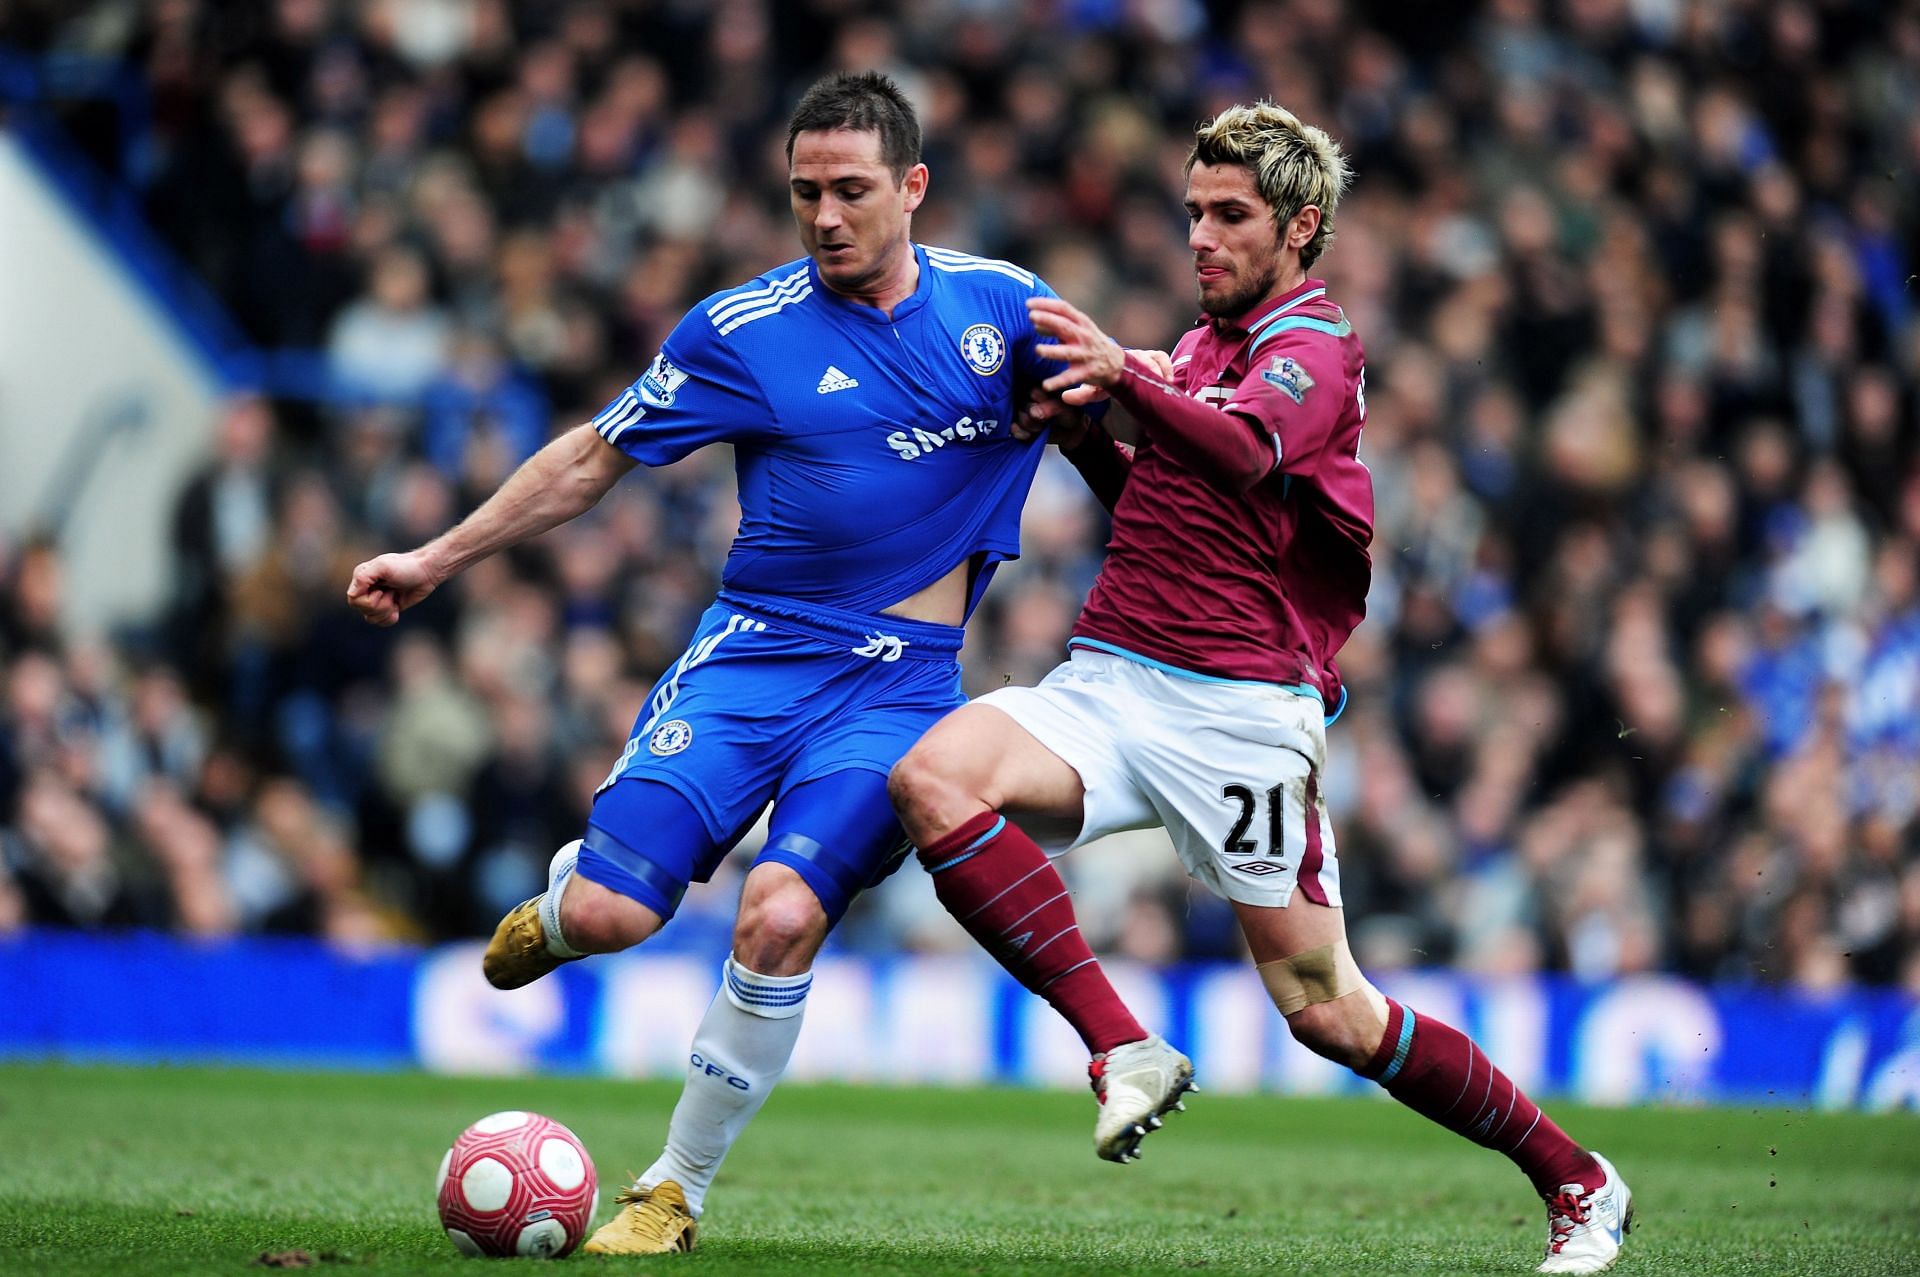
[
  {"x": 740, "y": 1051},
  {"x": 549, "y": 907},
  {"x": 1438, "y": 1072},
  {"x": 1002, "y": 888}
]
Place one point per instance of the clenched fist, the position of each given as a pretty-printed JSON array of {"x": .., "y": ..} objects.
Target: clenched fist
[{"x": 384, "y": 587}]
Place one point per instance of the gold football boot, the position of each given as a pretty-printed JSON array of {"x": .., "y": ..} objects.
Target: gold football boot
[
  {"x": 652, "y": 1221},
  {"x": 517, "y": 954}
]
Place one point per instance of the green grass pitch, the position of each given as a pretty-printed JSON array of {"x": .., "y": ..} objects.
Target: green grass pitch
[{"x": 109, "y": 1170}]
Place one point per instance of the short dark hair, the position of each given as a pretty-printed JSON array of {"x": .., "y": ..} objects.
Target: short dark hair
[{"x": 864, "y": 102}]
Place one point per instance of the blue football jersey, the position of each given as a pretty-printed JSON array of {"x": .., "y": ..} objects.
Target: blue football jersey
[{"x": 874, "y": 453}]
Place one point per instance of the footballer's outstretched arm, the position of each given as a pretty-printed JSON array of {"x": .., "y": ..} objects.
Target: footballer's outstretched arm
[
  {"x": 1229, "y": 449},
  {"x": 561, "y": 481}
]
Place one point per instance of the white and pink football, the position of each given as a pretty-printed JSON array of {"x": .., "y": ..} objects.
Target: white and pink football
[{"x": 517, "y": 1184}]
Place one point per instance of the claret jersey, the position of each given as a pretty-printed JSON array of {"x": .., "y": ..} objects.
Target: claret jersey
[
  {"x": 1261, "y": 586},
  {"x": 874, "y": 453}
]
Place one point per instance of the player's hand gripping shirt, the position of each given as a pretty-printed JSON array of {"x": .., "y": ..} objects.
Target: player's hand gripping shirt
[
  {"x": 873, "y": 453},
  {"x": 1263, "y": 584}
]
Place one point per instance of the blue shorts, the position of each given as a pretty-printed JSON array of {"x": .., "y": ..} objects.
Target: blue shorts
[{"x": 771, "y": 695}]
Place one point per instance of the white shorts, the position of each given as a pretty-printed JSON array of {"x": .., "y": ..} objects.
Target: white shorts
[{"x": 1232, "y": 770}]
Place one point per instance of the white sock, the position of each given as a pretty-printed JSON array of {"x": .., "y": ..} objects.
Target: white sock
[
  {"x": 559, "y": 869},
  {"x": 740, "y": 1051}
]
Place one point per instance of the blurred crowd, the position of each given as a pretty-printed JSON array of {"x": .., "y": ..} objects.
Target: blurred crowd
[{"x": 1639, "y": 687}]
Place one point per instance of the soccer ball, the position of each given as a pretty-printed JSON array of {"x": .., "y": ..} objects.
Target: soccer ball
[{"x": 516, "y": 1184}]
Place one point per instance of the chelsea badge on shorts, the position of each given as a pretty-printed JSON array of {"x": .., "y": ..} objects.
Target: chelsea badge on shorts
[
  {"x": 671, "y": 737},
  {"x": 984, "y": 349}
]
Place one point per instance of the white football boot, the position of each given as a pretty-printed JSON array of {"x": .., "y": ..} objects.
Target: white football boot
[
  {"x": 1137, "y": 1084},
  {"x": 1585, "y": 1227}
]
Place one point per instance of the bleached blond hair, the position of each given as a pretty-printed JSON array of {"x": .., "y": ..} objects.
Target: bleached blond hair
[{"x": 1293, "y": 163}]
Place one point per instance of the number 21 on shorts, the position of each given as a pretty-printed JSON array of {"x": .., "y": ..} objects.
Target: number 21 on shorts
[{"x": 1237, "y": 843}]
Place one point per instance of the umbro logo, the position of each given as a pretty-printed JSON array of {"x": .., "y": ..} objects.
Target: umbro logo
[
  {"x": 833, "y": 379},
  {"x": 1260, "y": 868}
]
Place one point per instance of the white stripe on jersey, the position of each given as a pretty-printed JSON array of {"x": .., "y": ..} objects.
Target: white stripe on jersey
[
  {"x": 986, "y": 266},
  {"x": 741, "y": 321},
  {"x": 945, "y": 259},
  {"x": 958, "y": 258},
  {"x": 618, "y": 415},
  {"x": 726, "y": 308}
]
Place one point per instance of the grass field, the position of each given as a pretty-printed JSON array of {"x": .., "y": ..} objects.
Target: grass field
[{"x": 202, "y": 1171}]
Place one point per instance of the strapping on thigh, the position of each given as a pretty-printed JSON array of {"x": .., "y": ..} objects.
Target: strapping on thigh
[{"x": 1315, "y": 976}]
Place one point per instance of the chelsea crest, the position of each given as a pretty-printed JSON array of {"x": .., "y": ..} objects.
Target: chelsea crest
[
  {"x": 983, "y": 348},
  {"x": 671, "y": 737}
]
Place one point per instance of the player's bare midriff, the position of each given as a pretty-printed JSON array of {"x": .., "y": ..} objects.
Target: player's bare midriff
[{"x": 943, "y": 603}]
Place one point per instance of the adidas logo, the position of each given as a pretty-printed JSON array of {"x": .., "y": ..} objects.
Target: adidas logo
[{"x": 833, "y": 379}]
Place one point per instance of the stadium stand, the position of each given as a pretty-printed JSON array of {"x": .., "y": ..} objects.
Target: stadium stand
[{"x": 1640, "y": 685}]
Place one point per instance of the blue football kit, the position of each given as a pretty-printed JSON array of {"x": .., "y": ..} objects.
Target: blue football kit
[{"x": 874, "y": 455}]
